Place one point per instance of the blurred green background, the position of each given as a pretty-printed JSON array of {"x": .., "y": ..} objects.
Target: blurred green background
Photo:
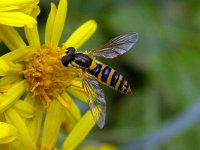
[{"x": 163, "y": 113}]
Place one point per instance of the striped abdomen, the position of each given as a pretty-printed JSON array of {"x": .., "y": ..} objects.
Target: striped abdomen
[{"x": 108, "y": 76}]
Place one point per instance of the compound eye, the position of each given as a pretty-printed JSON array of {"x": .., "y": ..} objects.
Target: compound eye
[
  {"x": 66, "y": 60},
  {"x": 71, "y": 50}
]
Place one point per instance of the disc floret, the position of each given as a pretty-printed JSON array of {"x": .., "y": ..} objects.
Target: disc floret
[{"x": 45, "y": 74}]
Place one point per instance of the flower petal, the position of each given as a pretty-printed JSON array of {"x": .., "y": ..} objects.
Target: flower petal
[
  {"x": 73, "y": 110},
  {"x": 79, "y": 132},
  {"x": 34, "y": 124},
  {"x": 5, "y": 3},
  {"x": 50, "y": 23},
  {"x": 11, "y": 37},
  {"x": 78, "y": 93},
  {"x": 81, "y": 35},
  {"x": 52, "y": 125},
  {"x": 32, "y": 34},
  {"x": 59, "y": 22},
  {"x": 55, "y": 23},
  {"x": 76, "y": 89},
  {"x": 13, "y": 118},
  {"x": 7, "y": 67},
  {"x": 4, "y": 68},
  {"x": 20, "y": 54},
  {"x": 25, "y": 109},
  {"x": 14, "y": 68},
  {"x": 66, "y": 102},
  {"x": 9, "y": 79},
  {"x": 8, "y": 133},
  {"x": 9, "y": 98},
  {"x": 17, "y": 19},
  {"x": 72, "y": 114}
]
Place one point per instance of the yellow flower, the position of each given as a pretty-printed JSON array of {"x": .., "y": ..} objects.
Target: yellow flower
[
  {"x": 17, "y": 12},
  {"x": 34, "y": 81}
]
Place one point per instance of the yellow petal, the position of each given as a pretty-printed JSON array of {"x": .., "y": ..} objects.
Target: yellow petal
[
  {"x": 13, "y": 118},
  {"x": 4, "y": 68},
  {"x": 77, "y": 82},
  {"x": 50, "y": 23},
  {"x": 32, "y": 34},
  {"x": 79, "y": 132},
  {"x": 76, "y": 89},
  {"x": 14, "y": 68},
  {"x": 8, "y": 133},
  {"x": 9, "y": 79},
  {"x": 66, "y": 102},
  {"x": 72, "y": 116},
  {"x": 73, "y": 108},
  {"x": 81, "y": 35},
  {"x": 52, "y": 125},
  {"x": 34, "y": 124},
  {"x": 20, "y": 54},
  {"x": 25, "y": 109},
  {"x": 17, "y": 19},
  {"x": 11, "y": 97},
  {"x": 11, "y": 37},
  {"x": 16, "y": 145},
  {"x": 73, "y": 112},
  {"x": 59, "y": 23},
  {"x": 77, "y": 93},
  {"x": 18, "y": 2}
]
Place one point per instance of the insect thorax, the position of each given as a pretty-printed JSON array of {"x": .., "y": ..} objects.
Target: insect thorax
[{"x": 81, "y": 60}]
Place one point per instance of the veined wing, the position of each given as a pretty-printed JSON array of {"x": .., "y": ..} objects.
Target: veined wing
[
  {"x": 117, "y": 46},
  {"x": 96, "y": 99}
]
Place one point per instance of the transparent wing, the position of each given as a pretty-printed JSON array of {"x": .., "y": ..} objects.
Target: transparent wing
[
  {"x": 96, "y": 99},
  {"x": 117, "y": 46}
]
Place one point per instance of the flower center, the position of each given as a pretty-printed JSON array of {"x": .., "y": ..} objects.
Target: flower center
[{"x": 46, "y": 75}]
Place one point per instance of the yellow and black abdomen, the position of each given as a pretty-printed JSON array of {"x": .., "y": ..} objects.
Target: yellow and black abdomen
[{"x": 108, "y": 76}]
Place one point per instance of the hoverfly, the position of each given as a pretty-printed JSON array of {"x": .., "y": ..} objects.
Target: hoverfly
[{"x": 93, "y": 72}]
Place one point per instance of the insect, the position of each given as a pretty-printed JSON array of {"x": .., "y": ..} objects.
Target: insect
[{"x": 94, "y": 71}]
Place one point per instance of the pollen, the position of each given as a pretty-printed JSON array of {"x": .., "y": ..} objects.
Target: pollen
[{"x": 45, "y": 74}]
